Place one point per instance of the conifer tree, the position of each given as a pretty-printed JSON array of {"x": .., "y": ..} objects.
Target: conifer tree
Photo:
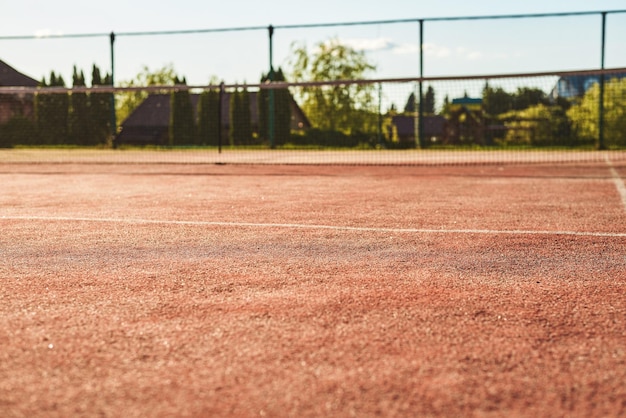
[
  {"x": 181, "y": 117},
  {"x": 208, "y": 117},
  {"x": 282, "y": 112},
  {"x": 62, "y": 108},
  {"x": 244, "y": 121},
  {"x": 52, "y": 113},
  {"x": 101, "y": 108},
  {"x": 429, "y": 101},
  {"x": 110, "y": 104},
  {"x": 42, "y": 106},
  {"x": 79, "y": 118},
  {"x": 240, "y": 123},
  {"x": 410, "y": 106},
  {"x": 234, "y": 133}
]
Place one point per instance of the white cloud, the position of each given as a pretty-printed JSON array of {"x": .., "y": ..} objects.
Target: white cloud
[
  {"x": 365, "y": 44},
  {"x": 44, "y": 33},
  {"x": 406, "y": 49},
  {"x": 381, "y": 44},
  {"x": 434, "y": 50},
  {"x": 468, "y": 54}
]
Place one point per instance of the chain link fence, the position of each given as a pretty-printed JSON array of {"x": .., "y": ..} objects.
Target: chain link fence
[{"x": 574, "y": 110}]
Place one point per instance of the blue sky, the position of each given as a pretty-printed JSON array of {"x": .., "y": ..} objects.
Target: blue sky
[{"x": 452, "y": 48}]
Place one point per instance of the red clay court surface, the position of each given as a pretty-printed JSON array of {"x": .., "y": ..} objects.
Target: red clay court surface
[{"x": 270, "y": 290}]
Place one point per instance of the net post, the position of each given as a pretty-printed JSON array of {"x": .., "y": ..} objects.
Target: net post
[{"x": 601, "y": 144}]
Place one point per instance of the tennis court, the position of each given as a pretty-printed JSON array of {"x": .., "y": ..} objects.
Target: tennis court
[{"x": 262, "y": 289}]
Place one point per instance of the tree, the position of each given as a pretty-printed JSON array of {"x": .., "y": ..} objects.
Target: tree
[
  {"x": 79, "y": 118},
  {"x": 101, "y": 108},
  {"x": 496, "y": 101},
  {"x": 182, "y": 128},
  {"x": 19, "y": 130},
  {"x": 538, "y": 125},
  {"x": 445, "y": 109},
  {"x": 526, "y": 97},
  {"x": 52, "y": 111},
  {"x": 410, "y": 107},
  {"x": 585, "y": 115},
  {"x": 349, "y": 107},
  {"x": 209, "y": 122},
  {"x": 245, "y": 122},
  {"x": 282, "y": 111},
  {"x": 240, "y": 123},
  {"x": 429, "y": 101},
  {"x": 127, "y": 102}
]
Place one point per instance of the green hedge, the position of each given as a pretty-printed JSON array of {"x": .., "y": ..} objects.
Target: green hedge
[{"x": 18, "y": 131}]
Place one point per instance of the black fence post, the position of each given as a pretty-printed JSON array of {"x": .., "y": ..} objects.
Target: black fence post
[
  {"x": 380, "y": 115},
  {"x": 420, "y": 116},
  {"x": 271, "y": 106},
  {"x": 219, "y": 118},
  {"x": 113, "y": 117},
  {"x": 601, "y": 144}
]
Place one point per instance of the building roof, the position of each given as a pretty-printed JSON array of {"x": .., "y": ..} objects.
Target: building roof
[
  {"x": 434, "y": 125},
  {"x": 10, "y": 77},
  {"x": 155, "y": 110},
  {"x": 467, "y": 101},
  {"x": 149, "y": 122},
  {"x": 577, "y": 85}
]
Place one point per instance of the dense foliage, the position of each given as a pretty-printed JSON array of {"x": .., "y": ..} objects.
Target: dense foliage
[
  {"x": 181, "y": 130},
  {"x": 239, "y": 122},
  {"x": 584, "y": 114},
  {"x": 127, "y": 102},
  {"x": 342, "y": 114},
  {"x": 347, "y": 108},
  {"x": 209, "y": 117},
  {"x": 282, "y": 112},
  {"x": 52, "y": 111}
]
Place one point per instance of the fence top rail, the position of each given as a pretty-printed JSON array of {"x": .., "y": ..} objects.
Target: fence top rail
[
  {"x": 452, "y": 18},
  {"x": 311, "y": 25},
  {"x": 284, "y": 84}
]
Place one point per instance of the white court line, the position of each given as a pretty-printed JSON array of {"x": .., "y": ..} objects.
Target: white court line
[
  {"x": 617, "y": 180},
  {"x": 314, "y": 226}
]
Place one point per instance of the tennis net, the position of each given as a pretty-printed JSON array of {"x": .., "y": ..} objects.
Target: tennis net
[{"x": 505, "y": 118}]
